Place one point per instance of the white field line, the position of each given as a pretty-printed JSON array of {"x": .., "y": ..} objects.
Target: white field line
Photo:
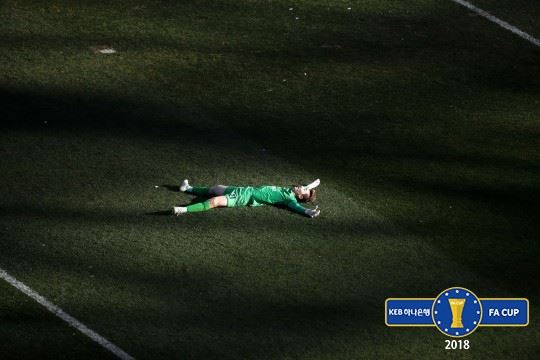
[
  {"x": 65, "y": 316},
  {"x": 499, "y": 22}
]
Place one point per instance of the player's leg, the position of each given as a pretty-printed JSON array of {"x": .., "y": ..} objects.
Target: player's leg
[
  {"x": 216, "y": 201},
  {"x": 202, "y": 190},
  {"x": 218, "y": 190},
  {"x": 195, "y": 190}
]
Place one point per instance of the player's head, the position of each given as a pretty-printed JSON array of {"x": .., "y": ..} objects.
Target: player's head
[{"x": 304, "y": 195}]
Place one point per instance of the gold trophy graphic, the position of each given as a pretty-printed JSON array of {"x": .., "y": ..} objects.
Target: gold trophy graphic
[{"x": 456, "y": 306}]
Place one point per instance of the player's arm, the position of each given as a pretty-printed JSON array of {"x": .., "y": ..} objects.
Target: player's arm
[{"x": 296, "y": 207}]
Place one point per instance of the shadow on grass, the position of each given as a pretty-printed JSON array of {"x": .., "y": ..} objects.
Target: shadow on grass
[
  {"x": 263, "y": 217},
  {"x": 333, "y": 155},
  {"x": 173, "y": 188},
  {"x": 160, "y": 213},
  {"x": 39, "y": 112},
  {"x": 182, "y": 307}
]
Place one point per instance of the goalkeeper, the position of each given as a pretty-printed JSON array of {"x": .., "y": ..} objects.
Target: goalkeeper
[{"x": 236, "y": 196}]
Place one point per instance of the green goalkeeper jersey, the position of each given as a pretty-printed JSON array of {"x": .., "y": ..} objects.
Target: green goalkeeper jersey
[{"x": 262, "y": 195}]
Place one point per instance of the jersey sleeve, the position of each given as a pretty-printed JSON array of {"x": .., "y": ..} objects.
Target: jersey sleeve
[{"x": 295, "y": 206}]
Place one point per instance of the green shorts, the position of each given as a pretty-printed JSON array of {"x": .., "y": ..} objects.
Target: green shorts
[{"x": 238, "y": 195}]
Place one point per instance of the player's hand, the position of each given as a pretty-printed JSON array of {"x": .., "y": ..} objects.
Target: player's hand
[{"x": 313, "y": 212}]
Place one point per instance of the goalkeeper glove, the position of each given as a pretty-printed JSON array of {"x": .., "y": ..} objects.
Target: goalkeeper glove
[{"x": 313, "y": 212}]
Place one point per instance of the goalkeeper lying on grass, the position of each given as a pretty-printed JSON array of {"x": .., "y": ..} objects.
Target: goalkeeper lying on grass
[{"x": 236, "y": 196}]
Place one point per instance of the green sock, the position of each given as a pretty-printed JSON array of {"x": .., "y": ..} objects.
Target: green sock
[
  {"x": 199, "y": 190},
  {"x": 199, "y": 207}
]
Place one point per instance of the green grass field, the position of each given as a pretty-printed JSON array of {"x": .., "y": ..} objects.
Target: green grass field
[{"x": 421, "y": 119}]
